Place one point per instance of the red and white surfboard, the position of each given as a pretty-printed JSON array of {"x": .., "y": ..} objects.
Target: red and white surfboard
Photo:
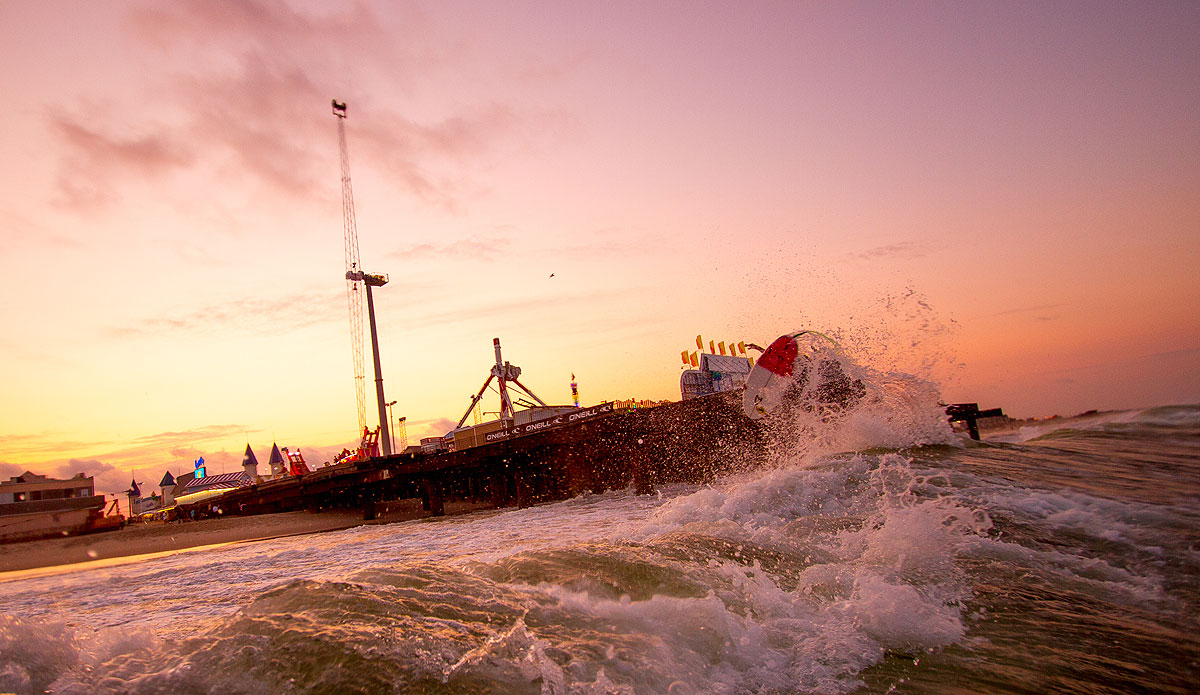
[{"x": 772, "y": 374}]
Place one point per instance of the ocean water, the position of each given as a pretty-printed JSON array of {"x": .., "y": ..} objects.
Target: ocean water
[{"x": 882, "y": 554}]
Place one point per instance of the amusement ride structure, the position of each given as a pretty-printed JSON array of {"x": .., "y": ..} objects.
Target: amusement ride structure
[
  {"x": 356, "y": 282},
  {"x": 504, "y": 373}
]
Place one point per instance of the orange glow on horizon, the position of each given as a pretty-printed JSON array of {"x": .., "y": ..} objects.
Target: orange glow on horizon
[{"x": 1001, "y": 199}]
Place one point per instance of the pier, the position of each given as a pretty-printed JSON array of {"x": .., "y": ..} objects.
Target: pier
[
  {"x": 600, "y": 448},
  {"x": 590, "y": 450}
]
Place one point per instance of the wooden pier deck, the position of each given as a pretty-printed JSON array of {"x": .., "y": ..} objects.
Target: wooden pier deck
[{"x": 693, "y": 440}]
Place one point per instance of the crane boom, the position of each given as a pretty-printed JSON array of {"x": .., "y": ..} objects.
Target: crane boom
[{"x": 354, "y": 274}]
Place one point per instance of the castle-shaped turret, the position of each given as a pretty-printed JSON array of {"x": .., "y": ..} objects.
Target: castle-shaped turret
[
  {"x": 168, "y": 489},
  {"x": 279, "y": 467},
  {"x": 250, "y": 464},
  {"x": 135, "y": 497}
]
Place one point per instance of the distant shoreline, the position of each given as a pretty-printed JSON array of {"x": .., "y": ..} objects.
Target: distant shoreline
[{"x": 161, "y": 537}]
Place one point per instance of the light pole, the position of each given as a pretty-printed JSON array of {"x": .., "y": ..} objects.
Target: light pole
[
  {"x": 391, "y": 425},
  {"x": 392, "y": 422}
]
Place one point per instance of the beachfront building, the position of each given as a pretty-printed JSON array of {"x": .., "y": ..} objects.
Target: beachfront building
[
  {"x": 195, "y": 489},
  {"x": 187, "y": 488},
  {"x": 33, "y": 505},
  {"x": 142, "y": 506},
  {"x": 717, "y": 373},
  {"x": 31, "y": 487}
]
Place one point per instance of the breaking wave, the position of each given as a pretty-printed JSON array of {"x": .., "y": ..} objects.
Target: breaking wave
[{"x": 879, "y": 554}]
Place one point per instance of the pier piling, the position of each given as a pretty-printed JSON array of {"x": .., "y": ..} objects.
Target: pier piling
[{"x": 432, "y": 498}]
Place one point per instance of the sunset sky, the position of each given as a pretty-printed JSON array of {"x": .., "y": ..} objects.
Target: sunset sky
[{"x": 1001, "y": 197}]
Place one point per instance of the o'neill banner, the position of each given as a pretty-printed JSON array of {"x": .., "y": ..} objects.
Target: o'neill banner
[{"x": 547, "y": 423}]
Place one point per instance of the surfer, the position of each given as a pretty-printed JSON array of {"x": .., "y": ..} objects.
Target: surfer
[
  {"x": 832, "y": 392},
  {"x": 789, "y": 378}
]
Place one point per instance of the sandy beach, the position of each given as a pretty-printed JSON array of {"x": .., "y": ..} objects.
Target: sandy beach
[{"x": 162, "y": 537}]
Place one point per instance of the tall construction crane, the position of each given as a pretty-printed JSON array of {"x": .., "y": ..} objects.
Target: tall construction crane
[{"x": 356, "y": 282}]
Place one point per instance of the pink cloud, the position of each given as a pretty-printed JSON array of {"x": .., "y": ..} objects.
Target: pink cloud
[
  {"x": 96, "y": 162},
  {"x": 475, "y": 248},
  {"x": 279, "y": 314},
  {"x": 250, "y": 104},
  {"x": 904, "y": 249}
]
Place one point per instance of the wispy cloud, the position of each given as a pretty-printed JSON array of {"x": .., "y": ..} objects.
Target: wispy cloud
[
  {"x": 599, "y": 244},
  {"x": 97, "y": 161},
  {"x": 198, "y": 435},
  {"x": 905, "y": 250},
  {"x": 1033, "y": 309},
  {"x": 517, "y": 309},
  {"x": 42, "y": 446},
  {"x": 433, "y": 160},
  {"x": 47, "y": 447},
  {"x": 278, "y": 315},
  {"x": 490, "y": 248},
  {"x": 17, "y": 351},
  {"x": 1186, "y": 352},
  {"x": 249, "y": 22},
  {"x": 256, "y": 93},
  {"x": 1038, "y": 312},
  {"x": 18, "y": 229},
  {"x": 479, "y": 249},
  {"x": 440, "y": 425}
]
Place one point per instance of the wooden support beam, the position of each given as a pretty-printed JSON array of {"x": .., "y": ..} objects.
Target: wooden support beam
[
  {"x": 524, "y": 489},
  {"x": 432, "y": 499},
  {"x": 970, "y": 414}
]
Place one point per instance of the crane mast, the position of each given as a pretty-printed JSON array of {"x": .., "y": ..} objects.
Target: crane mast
[
  {"x": 353, "y": 288},
  {"x": 356, "y": 283}
]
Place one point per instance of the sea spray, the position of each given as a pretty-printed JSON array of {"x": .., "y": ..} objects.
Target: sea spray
[
  {"x": 859, "y": 550},
  {"x": 33, "y": 653},
  {"x": 834, "y": 403}
]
